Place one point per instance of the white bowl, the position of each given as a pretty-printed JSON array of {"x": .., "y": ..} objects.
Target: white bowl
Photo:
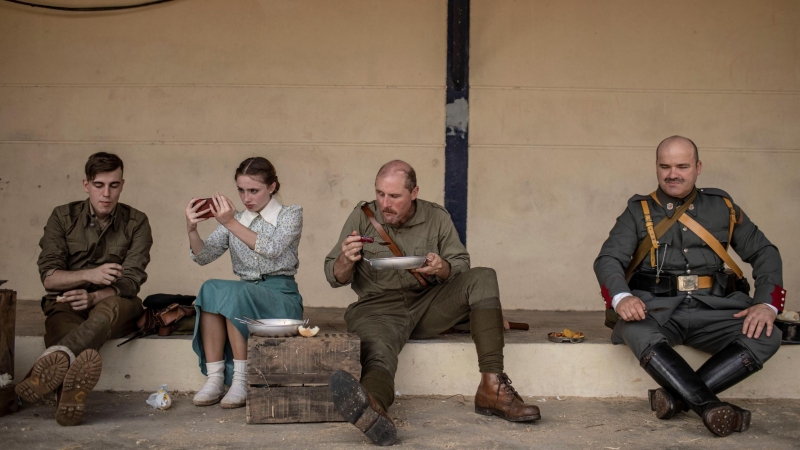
[{"x": 275, "y": 327}]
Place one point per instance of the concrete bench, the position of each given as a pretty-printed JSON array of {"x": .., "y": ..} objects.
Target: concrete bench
[{"x": 446, "y": 365}]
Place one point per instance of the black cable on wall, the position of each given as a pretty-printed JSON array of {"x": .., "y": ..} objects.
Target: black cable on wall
[{"x": 89, "y": 8}]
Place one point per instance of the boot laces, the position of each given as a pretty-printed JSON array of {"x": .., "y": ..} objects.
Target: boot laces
[{"x": 505, "y": 384}]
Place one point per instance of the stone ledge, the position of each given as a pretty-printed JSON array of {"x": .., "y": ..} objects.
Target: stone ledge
[{"x": 443, "y": 366}]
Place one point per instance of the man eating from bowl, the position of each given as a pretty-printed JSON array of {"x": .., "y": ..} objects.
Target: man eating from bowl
[
  {"x": 92, "y": 264},
  {"x": 395, "y": 305}
]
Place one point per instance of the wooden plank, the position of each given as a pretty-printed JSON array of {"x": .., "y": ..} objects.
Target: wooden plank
[
  {"x": 290, "y": 405},
  {"x": 299, "y": 360},
  {"x": 8, "y": 317}
]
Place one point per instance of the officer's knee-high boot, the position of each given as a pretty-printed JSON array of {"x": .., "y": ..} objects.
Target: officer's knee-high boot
[
  {"x": 722, "y": 371},
  {"x": 669, "y": 370}
]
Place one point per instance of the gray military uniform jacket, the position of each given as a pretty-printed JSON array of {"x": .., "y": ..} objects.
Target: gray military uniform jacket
[{"x": 682, "y": 252}]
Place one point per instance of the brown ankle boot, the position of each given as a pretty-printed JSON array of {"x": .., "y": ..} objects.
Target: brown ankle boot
[{"x": 495, "y": 396}]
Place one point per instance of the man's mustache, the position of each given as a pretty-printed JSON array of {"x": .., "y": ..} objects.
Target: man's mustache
[
  {"x": 670, "y": 180},
  {"x": 389, "y": 210}
]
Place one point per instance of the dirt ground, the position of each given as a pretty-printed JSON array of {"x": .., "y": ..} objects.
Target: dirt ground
[{"x": 123, "y": 420}]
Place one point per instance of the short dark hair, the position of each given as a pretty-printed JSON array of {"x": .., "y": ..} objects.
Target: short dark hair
[
  {"x": 677, "y": 138},
  {"x": 403, "y": 167},
  {"x": 102, "y": 162},
  {"x": 261, "y": 168}
]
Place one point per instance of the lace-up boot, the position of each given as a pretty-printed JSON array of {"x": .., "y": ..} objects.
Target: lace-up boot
[{"x": 497, "y": 397}]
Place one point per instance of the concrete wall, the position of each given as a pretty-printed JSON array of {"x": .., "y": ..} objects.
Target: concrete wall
[
  {"x": 568, "y": 102},
  {"x": 183, "y": 92}
]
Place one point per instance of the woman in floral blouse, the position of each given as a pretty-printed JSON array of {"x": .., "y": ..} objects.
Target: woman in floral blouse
[{"x": 263, "y": 241}]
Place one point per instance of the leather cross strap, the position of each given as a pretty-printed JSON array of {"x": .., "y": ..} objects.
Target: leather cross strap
[
  {"x": 710, "y": 240},
  {"x": 660, "y": 229},
  {"x": 392, "y": 246},
  {"x": 732, "y": 222},
  {"x": 648, "y": 223}
]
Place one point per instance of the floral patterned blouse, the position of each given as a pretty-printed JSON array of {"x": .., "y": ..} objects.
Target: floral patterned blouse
[{"x": 276, "y": 244}]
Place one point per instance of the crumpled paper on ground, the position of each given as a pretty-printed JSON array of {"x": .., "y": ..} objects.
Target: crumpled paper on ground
[
  {"x": 5, "y": 379},
  {"x": 160, "y": 399}
]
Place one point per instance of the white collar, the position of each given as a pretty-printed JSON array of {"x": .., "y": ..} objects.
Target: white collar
[{"x": 269, "y": 213}]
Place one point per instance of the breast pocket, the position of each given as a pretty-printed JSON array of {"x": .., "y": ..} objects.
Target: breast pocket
[
  {"x": 425, "y": 246},
  {"x": 76, "y": 251},
  {"x": 75, "y": 247}
]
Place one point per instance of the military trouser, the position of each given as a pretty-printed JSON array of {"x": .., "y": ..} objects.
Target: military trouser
[
  {"x": 113, "y": 317},
  {"x": 696, "y": 325},
  {"x": 386, "y": 322}
]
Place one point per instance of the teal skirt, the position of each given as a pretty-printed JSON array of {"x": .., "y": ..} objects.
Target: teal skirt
[{"x": 276, "y": 297}]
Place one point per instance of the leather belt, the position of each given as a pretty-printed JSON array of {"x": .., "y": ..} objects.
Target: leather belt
[
  {"x": 687, "y": 283},
  {"x": 668, "y": 285}
]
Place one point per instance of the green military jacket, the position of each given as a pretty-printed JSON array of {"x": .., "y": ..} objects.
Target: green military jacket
[
  {"x": 429, "y": 230},
  {"x": 71, "y": 242},
  {"x": 683, "y": 252}
]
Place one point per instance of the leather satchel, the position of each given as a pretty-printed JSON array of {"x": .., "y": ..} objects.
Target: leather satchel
[{"x": 163, "y": 321}]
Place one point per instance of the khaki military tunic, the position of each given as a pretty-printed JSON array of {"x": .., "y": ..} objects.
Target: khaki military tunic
[
  {"x": 392, "y": 305},
  {"x": 74, "y": 240}
]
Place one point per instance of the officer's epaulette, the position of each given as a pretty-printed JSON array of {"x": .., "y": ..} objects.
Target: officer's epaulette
[
  {"x": 362, "y": 202},
  {"x": 434, "y": 205},
  {"x": 638, "y": 198},
  {"x": 715, "y": 191}
]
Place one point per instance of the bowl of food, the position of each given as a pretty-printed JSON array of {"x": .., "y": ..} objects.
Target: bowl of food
[
  {"x": 397, "y": 263},
  {"x": 274, "y": 327}
]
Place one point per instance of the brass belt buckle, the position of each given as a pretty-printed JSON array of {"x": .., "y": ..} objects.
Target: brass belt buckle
[{"x": 687, "y": 283}]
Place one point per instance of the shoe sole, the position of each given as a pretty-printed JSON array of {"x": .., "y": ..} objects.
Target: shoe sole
[
  {"x": 662, "y": 404},
  {"x": 224, "y": 405},
  {"x": 79, "y": 381},
  {"x": 722, "y": 420},
  {"x": 352, "y": 402},
  {"x": 46, "y": 376},
  {"x": 493, "y": 412},
  {"x": 207, "y": 402},
  {"x": 744, "y": 421}
]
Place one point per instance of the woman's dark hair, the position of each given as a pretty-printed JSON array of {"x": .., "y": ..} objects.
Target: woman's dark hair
[
  {"x": 261, "y": 169},
  {"x": 102, "y": 162}
]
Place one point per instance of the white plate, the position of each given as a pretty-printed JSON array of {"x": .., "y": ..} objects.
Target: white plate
[{"x": 397, "y": 263}]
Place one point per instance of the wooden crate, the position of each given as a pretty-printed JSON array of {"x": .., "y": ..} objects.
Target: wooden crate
[
  {"x": 288, "y": 377},
  {"x": 8, "y": 313}
]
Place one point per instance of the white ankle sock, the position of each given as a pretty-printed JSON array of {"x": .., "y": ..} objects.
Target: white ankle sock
[
  {"x": 237, "y": 394},
  {"x": 240, "y": 371},
  {"x": 215, "y": 384}
]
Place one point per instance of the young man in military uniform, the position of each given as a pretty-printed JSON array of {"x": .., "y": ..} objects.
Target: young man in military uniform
[
  {"x": 394, "y": 306},
  {"x": 675, "y": 291},
  {"x": 92, "y": 264}
]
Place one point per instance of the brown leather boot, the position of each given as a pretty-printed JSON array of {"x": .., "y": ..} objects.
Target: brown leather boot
[
  {"x": 79, "y": 381},
  {"x": 495, "y": 396},
  {"x": 46, "y": 375},
  {"x": 361, "y": 409}
]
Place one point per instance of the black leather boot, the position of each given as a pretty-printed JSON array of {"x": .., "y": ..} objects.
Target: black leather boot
[
  {"x": 669, "y": 370},
  {"x": 727, "y": 368},
  {"x": 722, "y": 371}
]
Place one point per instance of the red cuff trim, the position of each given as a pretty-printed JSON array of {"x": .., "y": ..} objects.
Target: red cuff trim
[
  {"x": 778, "y": 298},
  {"x": 606, "y": 296}
]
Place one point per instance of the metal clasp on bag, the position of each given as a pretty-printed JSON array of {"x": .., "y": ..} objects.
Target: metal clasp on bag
[{"x": 687, "y": 283}]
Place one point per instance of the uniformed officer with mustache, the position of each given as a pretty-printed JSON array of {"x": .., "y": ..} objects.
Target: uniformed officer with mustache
[{"x": 662, "y": 277}]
